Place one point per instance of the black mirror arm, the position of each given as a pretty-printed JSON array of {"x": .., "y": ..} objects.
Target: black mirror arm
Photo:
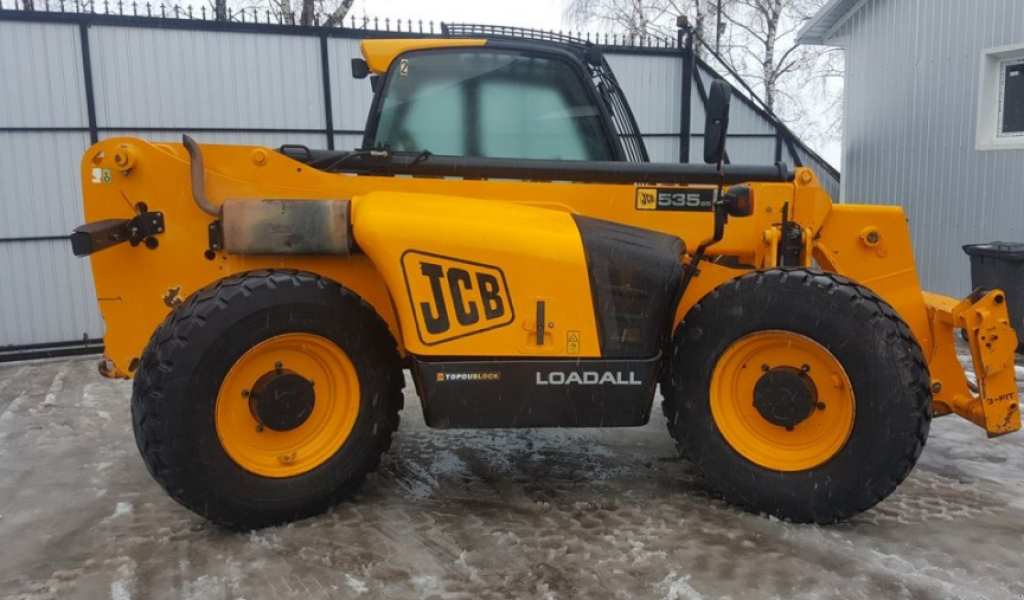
[{"x": 690, "y": 270}]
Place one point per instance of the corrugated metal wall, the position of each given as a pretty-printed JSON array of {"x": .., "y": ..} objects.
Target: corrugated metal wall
[
  {"x": 240, "y": 87},
  {"x": 912, "y": 73},
  {"x": 46, "y": 294}
]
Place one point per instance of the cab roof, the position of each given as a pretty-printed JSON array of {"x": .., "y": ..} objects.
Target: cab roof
[{"x": 379, "y": 53}]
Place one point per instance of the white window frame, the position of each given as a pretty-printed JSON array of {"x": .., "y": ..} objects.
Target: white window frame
[{"x": 990, "y": 99}]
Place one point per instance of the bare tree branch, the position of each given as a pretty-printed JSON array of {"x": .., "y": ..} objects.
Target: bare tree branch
[{"x": 338, "y": 16}]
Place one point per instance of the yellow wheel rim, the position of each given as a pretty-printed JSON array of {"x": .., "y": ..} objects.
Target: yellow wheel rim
[
  {"x": 797, "y": 447},
  {"x": 271, "y": 453}
]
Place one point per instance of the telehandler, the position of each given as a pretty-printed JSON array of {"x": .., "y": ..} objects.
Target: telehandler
[{"x": 501, "y": 234}]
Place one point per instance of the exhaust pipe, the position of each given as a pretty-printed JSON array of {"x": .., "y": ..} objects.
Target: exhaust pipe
[{"x": 199, "y": 177}]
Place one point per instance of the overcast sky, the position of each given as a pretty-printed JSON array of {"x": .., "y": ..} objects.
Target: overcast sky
[{"x": 541, "y": 14}]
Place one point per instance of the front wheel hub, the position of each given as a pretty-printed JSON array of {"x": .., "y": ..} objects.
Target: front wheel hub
[
  {"x": 282, "y": 400},
  {"x": 785, "y": 396},
  {"x": 782, "y": 400}
]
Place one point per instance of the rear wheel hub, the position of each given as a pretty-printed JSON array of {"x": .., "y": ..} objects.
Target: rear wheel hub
[
  {"x": 785, "y": 396},
  {"x": 270, "y": 421},
  {"x": 282, "y": 400}
]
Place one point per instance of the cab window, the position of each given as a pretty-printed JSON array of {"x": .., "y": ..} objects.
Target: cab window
[{"x": 500, "y": 104}]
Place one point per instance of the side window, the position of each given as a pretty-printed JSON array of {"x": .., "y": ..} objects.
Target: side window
[
  {"x": 498, "y": 104},
  {"x": 1011, "y": 99},
  {"x": 1001, "y": 99}
]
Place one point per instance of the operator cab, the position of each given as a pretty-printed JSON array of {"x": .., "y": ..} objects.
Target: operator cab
[{"x": 510, "y": 99}]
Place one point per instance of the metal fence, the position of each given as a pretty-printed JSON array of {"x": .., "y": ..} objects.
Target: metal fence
[{"x": 70, "y": 77}]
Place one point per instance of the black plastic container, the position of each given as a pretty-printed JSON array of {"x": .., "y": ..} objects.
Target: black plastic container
[{"x": 1001, "y": 265}]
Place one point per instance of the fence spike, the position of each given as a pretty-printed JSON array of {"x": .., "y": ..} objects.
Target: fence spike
[
  {"x": 431, "y": 26},
  {"x": 376, "y": 24}
]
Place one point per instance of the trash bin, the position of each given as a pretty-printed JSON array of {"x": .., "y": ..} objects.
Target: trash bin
[{"x": 1001, "y": 265}]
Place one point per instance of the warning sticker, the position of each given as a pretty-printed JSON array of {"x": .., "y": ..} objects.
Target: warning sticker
[
  {"x": 572, "y": 342},
  {"x": 100, "y": 175}
]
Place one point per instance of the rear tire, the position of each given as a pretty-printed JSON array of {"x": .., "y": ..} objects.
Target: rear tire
[
  {"x": 866, "y": 338},
  {"x": 179, "y": 382}
]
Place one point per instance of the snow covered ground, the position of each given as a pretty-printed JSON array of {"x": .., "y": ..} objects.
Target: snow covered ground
[{"x": 548, "y": 514}]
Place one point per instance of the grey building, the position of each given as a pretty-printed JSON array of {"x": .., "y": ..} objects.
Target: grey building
[
  {"x": 934, "y": 120},
  {"x": 68, "y": 80}
]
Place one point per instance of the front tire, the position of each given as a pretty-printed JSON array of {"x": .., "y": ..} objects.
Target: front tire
[
  {"x": 266, "y": 398},
  {"x": 798, "y": 394}
]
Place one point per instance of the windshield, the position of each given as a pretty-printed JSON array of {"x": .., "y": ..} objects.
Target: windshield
[{"x": 500, "y": 104}]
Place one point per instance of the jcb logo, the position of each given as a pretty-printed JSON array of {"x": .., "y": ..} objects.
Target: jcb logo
[
  {"x": 454, "y": 298},
  {"x": 646, "y": 199}
]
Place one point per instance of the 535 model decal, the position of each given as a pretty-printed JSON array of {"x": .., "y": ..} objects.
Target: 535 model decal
[{"x": 679, "y": 199}]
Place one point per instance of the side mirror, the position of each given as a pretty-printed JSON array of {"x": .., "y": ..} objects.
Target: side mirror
[
  {"x": 716, "y": 122},
  {"x": 360, "y": 69}
]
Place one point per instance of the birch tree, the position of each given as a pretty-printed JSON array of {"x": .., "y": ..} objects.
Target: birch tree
[
  {"x": 337, "y": 17},
  {"x": 644, "y": 19},
  {"x": 800, "y": 84},
  {"x": 336, "y": 11}
]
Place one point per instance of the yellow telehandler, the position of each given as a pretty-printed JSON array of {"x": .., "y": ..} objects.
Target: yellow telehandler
[{"x": 500, "y": 234}]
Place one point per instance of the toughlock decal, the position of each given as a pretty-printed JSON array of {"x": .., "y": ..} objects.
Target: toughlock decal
[{"x": 453, "y": 298}]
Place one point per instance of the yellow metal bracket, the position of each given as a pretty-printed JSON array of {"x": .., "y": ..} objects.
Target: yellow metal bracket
[{"x": 993, "y": 403}]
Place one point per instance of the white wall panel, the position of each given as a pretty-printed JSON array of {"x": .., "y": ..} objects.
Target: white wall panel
[
  {"x": 912, "y": 70},
  {"x": 244, "y": 138},
  {"x": 350, "y": 97},
  {"x": 347, "y": 141},
  {"x": 147, "y": 77},
  {"x": 41, "y": 83},
  {"x": 664, "y": 149},
  {"x": 651, "y": 85},
  {"x": 47, "y": 295},
  {"x": 40, "y": 187}
]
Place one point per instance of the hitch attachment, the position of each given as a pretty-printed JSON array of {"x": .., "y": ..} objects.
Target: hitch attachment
[
  {"x": 92, "y": 237},
  {"x": 993, "y": 402}
]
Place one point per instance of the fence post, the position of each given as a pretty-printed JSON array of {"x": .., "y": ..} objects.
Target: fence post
[
  {"x": 325, "y": 70},
  {"x": 685, "y": 41},
  {"x": 90, "y": 99}
]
